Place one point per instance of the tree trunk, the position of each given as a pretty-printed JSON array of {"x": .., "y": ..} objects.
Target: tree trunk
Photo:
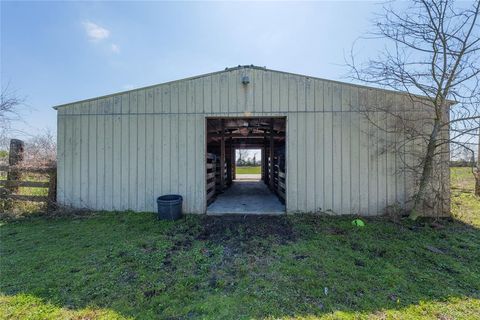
[
  {"x": 477, "y": 172},
  {"x": 427, "y": 171},
  {"x": 477, "y": 182}
]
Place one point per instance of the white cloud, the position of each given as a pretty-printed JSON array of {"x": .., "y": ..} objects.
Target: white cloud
[
  {"x": 115, "y": 48},
  {"x": 95, "y": 32}
]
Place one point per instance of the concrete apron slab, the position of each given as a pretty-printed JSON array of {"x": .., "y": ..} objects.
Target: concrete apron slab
[
  {"x": 249, "y": 176},
  {"x": 246, "y": 197}
]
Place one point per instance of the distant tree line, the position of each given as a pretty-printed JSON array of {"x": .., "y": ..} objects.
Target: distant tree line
[{"x": 244, "y": 160}]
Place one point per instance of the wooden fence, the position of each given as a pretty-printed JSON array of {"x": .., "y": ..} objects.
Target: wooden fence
[
  {"x": 214, "y": 176},
  {"x": 277, "y": 176},
  {"x": 211, "y": 168},
  {"x": 16, "y": 170}
]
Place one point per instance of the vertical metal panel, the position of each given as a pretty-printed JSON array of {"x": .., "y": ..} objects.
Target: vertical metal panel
[
  {"x": 241, "y": 91},
  {"x": 301, "y": 157},
  {"x": 191, "y": 161},
  {"x": 207, "y": 95},
  {"x": 257, "y": 91},
  {"x": 401, "y": 158},
  {"x": 149, "y": 153},
  {"x": 166, "y": 99},
  {"x": 372, "y": 155},
  {"x": 108, "y": 166},
  {"x": 215, "y": 92},
  {"x": 84, "y": 143},
  {"x": 354, "y": 153},
  {"x": 166, "y": 165},
  {"x": 246, "y": 92},
  {"x": 122, "y": 151},
  {"x": 233, "y": 84},
  {"x": 182, "y": 156},
  {"x": 345, "y": 161},
  {"x": 199, "y": 164},
  {"x": 310, "y": 145},
  {"x": 182, "y": 97},
  {"x": 319, "y": 94},
  {"x": 117, "y": 153},
  {"x": 198, "y": 95},
  {"x": 283, "y": 93},
  {"x": 382, "y": 197},
  {"x": 292, "y": 173},
  {"x": 292, "y": 94},
  {"x": 174, "y": 154},
  {"x": 141, "y": 152},
  {"x": 133, "y": 152},
  {"x": 61, "y": 134},
  {"x": 158, "y": 185},
  {"x": 76, "y": 141},
  {"x": 363, "y": 154},
  {"x": 91, "y": 172},
  {"x": 301, "y": 94},
  {"x": 266, "y": 91},
  {"x": 223, "y": 92},
  {"x": 125, "y": 151},
  {"x": 337, "y": 134},
  {"x": 275, "y": 92},
  {"x": 391, "y": 169},
  {"x": 68, "y": 157},
  {"x": 319, "y": 163},
  {"x": 328, "y": 148},
  {"x": 309, "y": 95}
]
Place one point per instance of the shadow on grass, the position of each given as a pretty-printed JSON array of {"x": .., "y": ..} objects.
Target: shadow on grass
[{"x": 238, "y": 267}]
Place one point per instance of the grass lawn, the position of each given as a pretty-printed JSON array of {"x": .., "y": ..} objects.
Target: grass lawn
[
  {"x": 249, "y": 170},
  {"x": 127, "y": 265}
]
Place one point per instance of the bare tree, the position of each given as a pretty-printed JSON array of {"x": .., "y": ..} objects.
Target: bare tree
[
  {"x": 433, "y": 54},
  {"x": 10, "y": 104},
  {"x": 242, "y": 155},
  {"x": 41, "y": 150}
]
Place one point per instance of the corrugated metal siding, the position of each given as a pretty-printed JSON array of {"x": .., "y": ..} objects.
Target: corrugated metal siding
[{"x": 120, "y": 152}]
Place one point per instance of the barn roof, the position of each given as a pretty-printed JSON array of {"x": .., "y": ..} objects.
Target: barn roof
[{"x": 237, "y": 68}]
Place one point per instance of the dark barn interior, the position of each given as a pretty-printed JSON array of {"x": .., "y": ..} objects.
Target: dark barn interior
[{"x": 226, "y": 194}]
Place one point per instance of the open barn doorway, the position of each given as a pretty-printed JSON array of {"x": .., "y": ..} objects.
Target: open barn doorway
[
  {"x": 236, "y": 146},
  {"x": 248, "y": 164}
]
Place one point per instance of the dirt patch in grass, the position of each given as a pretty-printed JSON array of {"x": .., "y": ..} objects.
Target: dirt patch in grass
[
  {"x": 245, "y": 228},
  {"x": 245, "y": 246}
]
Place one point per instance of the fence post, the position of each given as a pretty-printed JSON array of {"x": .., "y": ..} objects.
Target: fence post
[
  {"x": 52, "y": 190},
  {"x": 15, "y": 156}
]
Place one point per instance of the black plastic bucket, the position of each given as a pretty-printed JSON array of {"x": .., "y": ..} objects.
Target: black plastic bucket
[{"x": 169, "y": 207}]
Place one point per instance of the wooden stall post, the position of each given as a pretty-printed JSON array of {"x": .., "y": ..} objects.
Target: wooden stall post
[
  {"x": 271, "y": 153},
  {"x": 234, "y": 163},
  {"x": 266, "y": 174},
  {"x": 222, "y": 158},
  {"x": 229, "y": 162},
  {"x": 262, "y": 163}
]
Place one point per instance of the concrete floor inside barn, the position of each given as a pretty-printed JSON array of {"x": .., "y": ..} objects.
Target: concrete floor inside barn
[{"x": 246, "y": 197}]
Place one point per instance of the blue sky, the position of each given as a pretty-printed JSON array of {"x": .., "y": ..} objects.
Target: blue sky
[{"x": 58, "y": 52}]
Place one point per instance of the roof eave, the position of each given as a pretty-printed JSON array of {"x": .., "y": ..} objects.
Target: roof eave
[{"x": 56, "y": 107}]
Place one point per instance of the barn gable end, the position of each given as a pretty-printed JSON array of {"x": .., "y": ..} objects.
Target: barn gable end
[{"x": 121, "y": 151}]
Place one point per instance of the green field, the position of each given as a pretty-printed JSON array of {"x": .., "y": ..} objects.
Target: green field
[
  {"x": 128, "y": 265},
  {"x": 248, "y": 170}
]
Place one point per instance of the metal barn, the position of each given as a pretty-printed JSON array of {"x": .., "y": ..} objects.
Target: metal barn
[{"x": 320, "y": 154}]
